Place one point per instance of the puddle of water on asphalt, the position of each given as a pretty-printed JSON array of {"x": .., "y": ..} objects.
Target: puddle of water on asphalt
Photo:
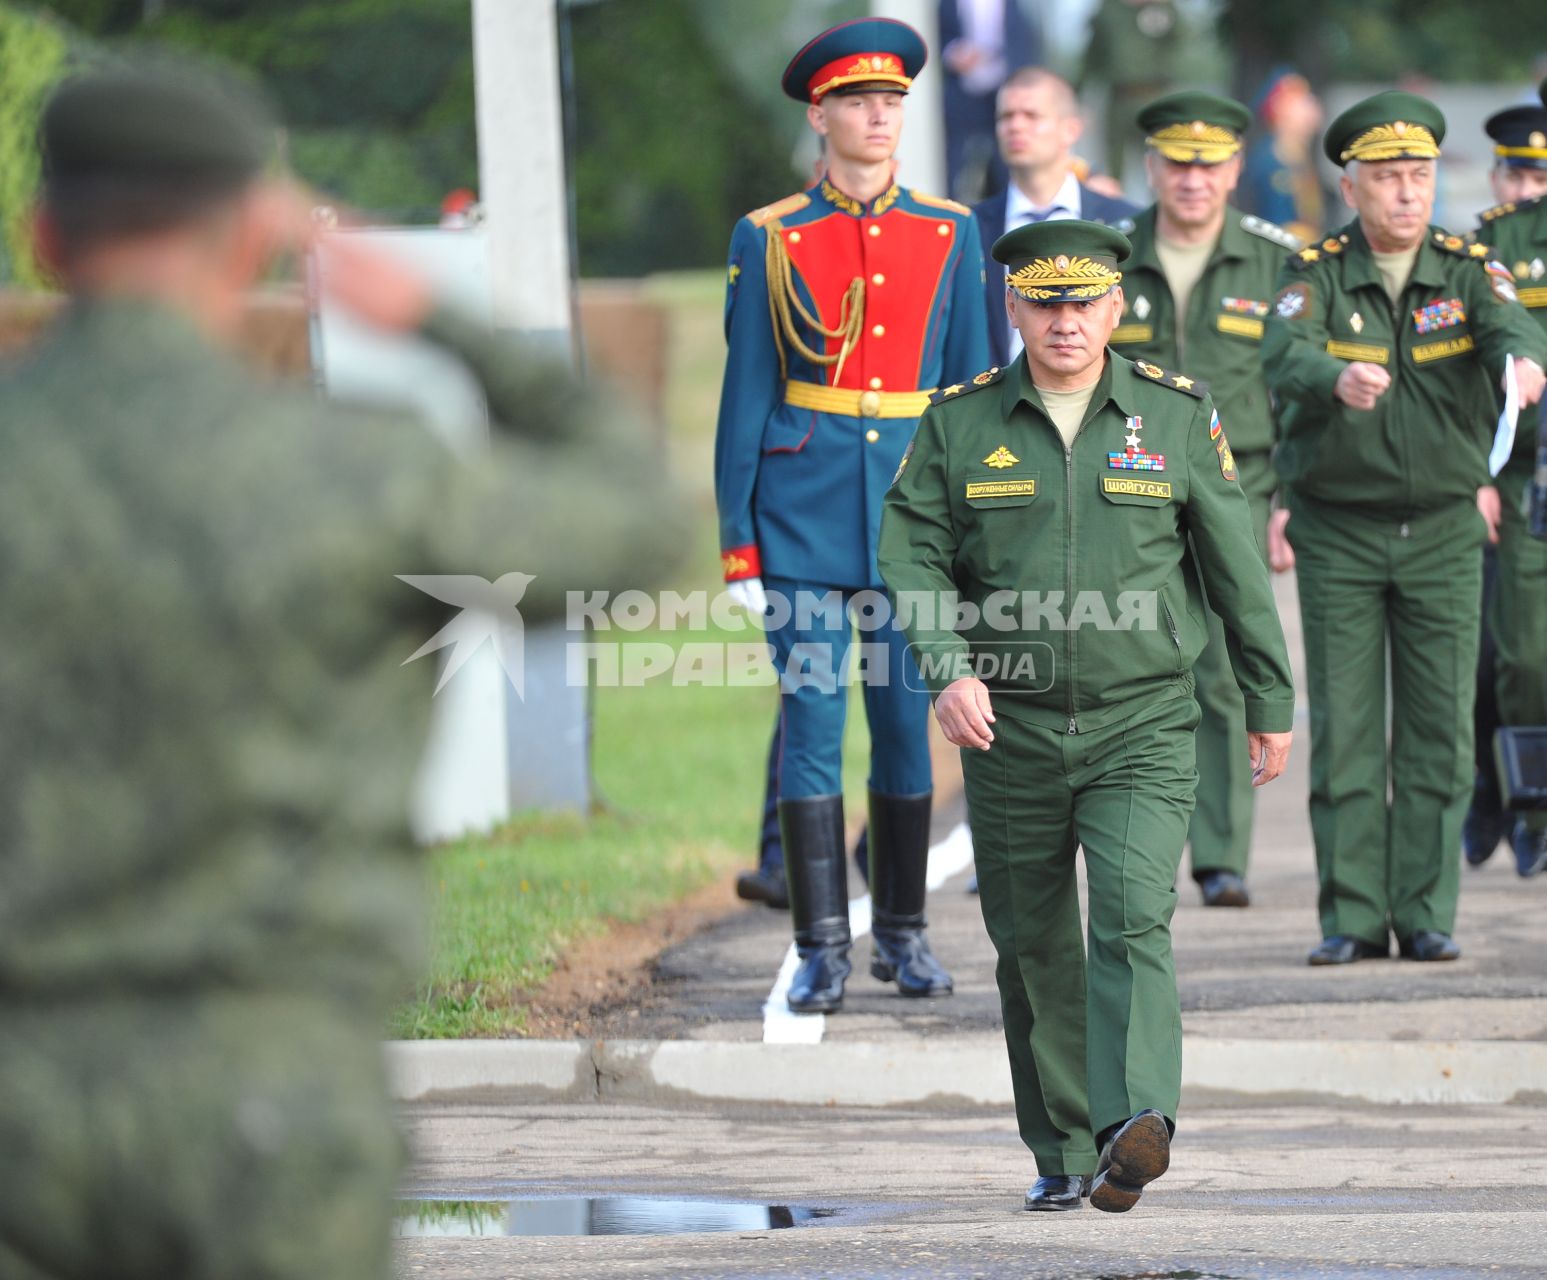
[{"x": 593, "y": 1216}]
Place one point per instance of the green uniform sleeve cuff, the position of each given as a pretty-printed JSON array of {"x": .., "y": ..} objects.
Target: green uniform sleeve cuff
[{"x": 1263, "y": 716}]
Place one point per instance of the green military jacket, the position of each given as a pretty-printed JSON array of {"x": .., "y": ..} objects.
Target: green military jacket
[
  {"x": 1426, "y": 441},
  {"x": 1225, "y": 322},
  {"x": 1076, "y": 560},
  {"x": 212, "y": 731},
  {"x": 1517, "y": 235}
]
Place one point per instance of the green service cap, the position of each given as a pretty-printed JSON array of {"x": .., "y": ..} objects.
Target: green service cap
[
  {"x": 1063, "y": 261},
  {"x": 1394, "y": 125},
  {"x": 156, "y": 128},
  {"x": 1194, "y": 128}
]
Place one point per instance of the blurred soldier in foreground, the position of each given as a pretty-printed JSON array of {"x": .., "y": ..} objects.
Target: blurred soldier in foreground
[
  {"x": 208, "y": 895},
  {"x": 1196, "y": 293},
  {"x": 1516, "y": 231},
  {"x": 1383, "y": 346},
  {"x": 1077, "y": 477},
  {"x": 846, "y": 304}
]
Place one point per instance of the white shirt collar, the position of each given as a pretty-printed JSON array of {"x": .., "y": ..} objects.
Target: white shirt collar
[{"x": 1018, "y": 208}]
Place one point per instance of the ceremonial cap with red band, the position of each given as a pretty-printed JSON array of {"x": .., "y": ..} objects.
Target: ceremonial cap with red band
[{"x": 868, "y": 53}]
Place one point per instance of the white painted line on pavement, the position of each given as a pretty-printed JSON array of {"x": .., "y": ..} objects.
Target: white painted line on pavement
[{"x": 780, "y": 1025}]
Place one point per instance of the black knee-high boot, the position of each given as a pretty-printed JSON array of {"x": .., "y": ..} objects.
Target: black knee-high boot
[
  {"x": 814, "y": 864},
  {"x": 899, "y": 860}
]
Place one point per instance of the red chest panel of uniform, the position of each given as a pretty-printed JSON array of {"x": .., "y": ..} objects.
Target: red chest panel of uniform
[{"x": 901, "y": 257}]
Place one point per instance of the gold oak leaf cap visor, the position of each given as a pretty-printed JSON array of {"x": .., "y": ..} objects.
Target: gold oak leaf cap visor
[
  {"x": 1194, "y": 128},
  {"x": 1394, "y": 125},
  {"x": 1064, "y": 261},
  {"x": 1519, "y": 137}
]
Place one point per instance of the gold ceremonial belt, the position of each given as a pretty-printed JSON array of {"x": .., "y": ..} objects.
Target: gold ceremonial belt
[{"x": 857, "y": 404}]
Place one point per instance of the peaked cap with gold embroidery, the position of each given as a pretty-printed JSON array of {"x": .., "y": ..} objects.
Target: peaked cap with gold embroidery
[
  {"x": 1194, "y": 128},
  {"x": 1394, "y": 125},
  {"x": 1064, "y": 261}
]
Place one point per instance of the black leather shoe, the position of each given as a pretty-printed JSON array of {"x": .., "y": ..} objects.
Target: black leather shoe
[
  {"x": 817, "y": 986},
  {"x": 1429, "y": 944},
  {"x": 903, "y": 956},
  {"x": 1485, "y": 825},
  {"x": 812, "y": 829},
  {"x": 1058, "y": 1193},
  {"x": 899, "y": 858},
  {"x": 1530, "y": 850},
  {"x": 1134, "y": 1157},
  {"x": 1223, "y": 889},
  {"x": 766, "y": 884},
  {"x": 1340, "y": 948}
]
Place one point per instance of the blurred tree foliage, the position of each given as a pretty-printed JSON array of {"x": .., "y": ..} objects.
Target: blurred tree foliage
[
  {"x": 1384, "y": 40},
  {"x": 32, "y": 55}
]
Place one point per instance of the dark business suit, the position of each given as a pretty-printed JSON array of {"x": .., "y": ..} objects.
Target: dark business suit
[
  {"x": 969, "y": 117},
  {"x": 1094, "y": 207}
]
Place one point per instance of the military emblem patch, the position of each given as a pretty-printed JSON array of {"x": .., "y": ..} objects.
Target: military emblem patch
[
  {"x": 1141, "y": 307},
  {"x": 1292, "y": 301},
  {"x": 983, "y": 379},
  {"x": 1149, "y": 370},
  {"x": 1001, "y": 457},
  {"x": 1440, "y": 314},
  {"x": 1222, "y": 447},
  {"x": 903, "y": 465},
  {"x": 1502, "y": 281},
  {"x": 1356, "y": 322}
]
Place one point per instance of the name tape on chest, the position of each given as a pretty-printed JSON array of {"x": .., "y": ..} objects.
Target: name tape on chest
[{"x": 1136, "y": 488}]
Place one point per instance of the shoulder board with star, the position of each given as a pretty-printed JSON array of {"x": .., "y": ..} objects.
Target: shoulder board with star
[
  {"x": 939, "y": 202},
  {"x": 1461, "y": 246},
  {"x": 1509, "y": 207},
  {"x": 761, "y": 217},
  {"x": 1176, "y": 381},
  {"x": 1322, "y": 251},
  {"x": 976, "y": 383},
  {"x": 1269, "y": 231}
]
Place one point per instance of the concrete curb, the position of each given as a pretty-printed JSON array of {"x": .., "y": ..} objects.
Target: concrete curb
[{"x": 963, "y": 1072}]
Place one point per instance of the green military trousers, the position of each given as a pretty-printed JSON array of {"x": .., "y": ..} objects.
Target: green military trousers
[
  {"x": 1221, "y": 832},
  {"x": 247, "y": 1136},
  {"x": 1519, "y": 615},
  {"x": 1387, "y": 822},
  {"x": 1091, "y": 1041}
]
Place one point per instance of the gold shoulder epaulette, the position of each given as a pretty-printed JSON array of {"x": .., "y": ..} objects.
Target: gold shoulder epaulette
[
  {"x": 940, "y": 202},
  {"x": 1458, "y": 245},
  {"x": 1509, "y": 207},
  {"x": 765, "y": 215},
  {"x": 976, "y": 383},
  {"x": 1176, "y": 381},
  {"x": 1331, "y": 247},
  {"x": 1269, "y": 231}
]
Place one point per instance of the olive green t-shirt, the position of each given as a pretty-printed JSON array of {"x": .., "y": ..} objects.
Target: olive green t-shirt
[
  {"x": 1183, "y": 265},
  {"x": 1395, "y": 268},
  {"x": 1067, "y": 408}
]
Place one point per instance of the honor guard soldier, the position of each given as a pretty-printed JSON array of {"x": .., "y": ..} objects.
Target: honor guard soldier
[
  {"x": 1377, "y": 346},
  {"x": 847, "y": 304},
  {"x": 1516, "y": 231},
  {"x": 1196, "y": 297},
  {"x": 1054, "y": 501}
]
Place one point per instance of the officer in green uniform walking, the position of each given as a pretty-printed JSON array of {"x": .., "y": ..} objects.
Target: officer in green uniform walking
[
  {"x": 1516, "y": 231},
  {"x": 208, "y": 894},
  {"x": 1377, "y": 347},
  {"x": 1196, "y": 293},
  {"x": 1035, "y": 544}
]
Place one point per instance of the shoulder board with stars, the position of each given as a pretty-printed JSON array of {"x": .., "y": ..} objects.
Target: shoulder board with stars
[
  {"x": 1176, "y": 381},
  {"x": 1461, "y": 246},
  {"x": 1509, "y": 207},
  {"x": 1269, "y": 231},
  {"x": 1331, "y": 247},
  {"x": 976, "y": 383},
  {"x": 761, "y": 217},
  {"x": 939, "y": 202}
]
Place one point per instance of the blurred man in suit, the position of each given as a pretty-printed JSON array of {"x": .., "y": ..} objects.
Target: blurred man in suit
[{"x": 981, "y": 41}]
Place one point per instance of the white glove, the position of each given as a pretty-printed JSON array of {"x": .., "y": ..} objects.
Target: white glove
[{"x": 749, "y": 594}]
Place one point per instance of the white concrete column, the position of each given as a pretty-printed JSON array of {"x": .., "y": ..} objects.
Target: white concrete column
[{"x": 921, "y": 156}]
